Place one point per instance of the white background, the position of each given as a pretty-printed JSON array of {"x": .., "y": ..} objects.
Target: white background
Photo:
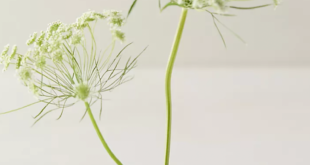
[{"x": 236, "y": 106}]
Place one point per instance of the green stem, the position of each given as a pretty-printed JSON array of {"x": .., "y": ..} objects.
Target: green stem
[
  {"x": 105, "y": 145},
  {"x": 173, "y": 55}
]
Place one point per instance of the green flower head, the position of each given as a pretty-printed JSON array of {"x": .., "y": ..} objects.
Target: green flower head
[{"x": 82, "y": 91}]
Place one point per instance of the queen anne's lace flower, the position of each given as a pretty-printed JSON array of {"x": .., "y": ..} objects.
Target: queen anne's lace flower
[
  {"x": 64, "y": 67},
  {"x": 115, "y": 18},
  {"x": 60, "y": 62}
]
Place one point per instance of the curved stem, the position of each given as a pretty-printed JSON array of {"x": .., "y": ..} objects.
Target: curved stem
[
  {"x": 105, "y": 145},
  {"x": 173, "y": 55}
]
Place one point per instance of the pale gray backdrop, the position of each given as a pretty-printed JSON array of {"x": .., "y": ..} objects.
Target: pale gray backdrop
[{"x": 244, "y": 105}]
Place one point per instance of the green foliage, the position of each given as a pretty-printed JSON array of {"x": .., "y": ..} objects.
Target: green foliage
[
  {"x": 249, "y": 8},
  {"x": 131, "y": 7}
]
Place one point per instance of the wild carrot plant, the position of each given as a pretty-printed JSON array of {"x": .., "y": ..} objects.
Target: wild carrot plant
[
  {"x": 63, "y": 66},
  {"x": 214, "y": 8}
]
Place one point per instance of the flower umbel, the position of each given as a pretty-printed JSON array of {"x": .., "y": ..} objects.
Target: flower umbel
[
  {"x": 60, "y": 65},
  {"x": 64, "y": 65}
]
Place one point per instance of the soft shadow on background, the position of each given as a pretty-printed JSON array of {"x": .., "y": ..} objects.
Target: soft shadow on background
[{"x": 236, "y": 106}]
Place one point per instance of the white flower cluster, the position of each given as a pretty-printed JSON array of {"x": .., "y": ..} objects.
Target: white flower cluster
[
  {"x": 57, "y": 45},
  {"x": 6, "y": 58},
  {"x": 116, "y": 21},
  {"x": 218, "y": 5}
]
